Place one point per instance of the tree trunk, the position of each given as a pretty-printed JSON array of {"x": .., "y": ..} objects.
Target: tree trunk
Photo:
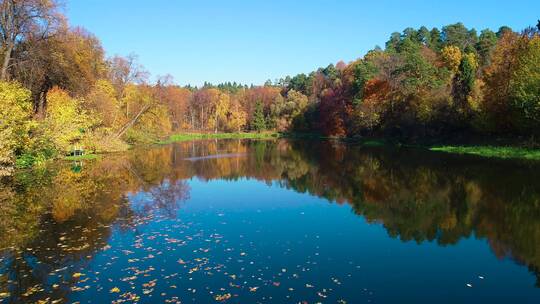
[
  {"x": 130, "y": 123},
  {"x": 216, "y": 127},
  {"x": 41, "y": 104},
  {"x": 5, "y": 64},
  {"x": 40, "y": 100}
]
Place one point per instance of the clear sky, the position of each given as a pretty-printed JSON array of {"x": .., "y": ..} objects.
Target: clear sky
[{"x": 249, "y": 41}]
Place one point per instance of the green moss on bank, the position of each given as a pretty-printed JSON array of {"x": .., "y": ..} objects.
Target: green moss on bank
[{"x": 492, "y": 151}]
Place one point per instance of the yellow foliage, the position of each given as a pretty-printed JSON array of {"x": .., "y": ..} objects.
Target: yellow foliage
[
  {"x": 135, "y": 98},
  {"x": 451, "y": 56},
  {"x": 15, "y": 123},
  {"x": 155, "y": 122},
  {"x": 102, "y": 102},
  {"x": 236, "y": 117},
  {"x": 221, "y": 108},
  {"x": 65, "y": 123}
]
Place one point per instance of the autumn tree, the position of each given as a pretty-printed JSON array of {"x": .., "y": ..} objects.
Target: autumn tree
[
  {"x": 284, "y": 111},
  {"x": 15, "y": 123},
  {"x": 125, "y": 70},
  {"x": 451, "y": 56},
  {"x": 66, "y": 122},
  {"x": 524, "y": 85},
  {"x": 23, "y": 20},
  {"x": 220, "y": 109},
  {"x": 497, "y": 77},
  {"x": 71, "y": 60},
  {"x": 101, "y": 101},
  {"x": 177, "y": 101},
  {"x": 236, "y": 116}
]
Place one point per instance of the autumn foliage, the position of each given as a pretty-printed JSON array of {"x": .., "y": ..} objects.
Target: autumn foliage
[{"x": 59, "y": 91}]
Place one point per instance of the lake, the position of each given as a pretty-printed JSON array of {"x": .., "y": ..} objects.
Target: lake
[{"x": 272, "y": 221}]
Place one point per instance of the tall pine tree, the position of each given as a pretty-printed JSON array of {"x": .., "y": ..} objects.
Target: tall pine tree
[{"x": 258, "y": 123}]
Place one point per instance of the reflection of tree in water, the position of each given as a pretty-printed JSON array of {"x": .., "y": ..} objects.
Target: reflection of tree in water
[
  {"x": 415, "y": 195},
  {"x": 66, "y": 217},
  {"x": 165, "y": 198},
  {"x": 430, "y": 197}
]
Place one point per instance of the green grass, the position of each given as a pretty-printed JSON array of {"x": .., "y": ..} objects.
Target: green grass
[
  {"x": 82, "y": 157},
  {"x": 373, "y": 143},
  {"x": 197, "y": 136},
  {"x": 492, "y": 151}
]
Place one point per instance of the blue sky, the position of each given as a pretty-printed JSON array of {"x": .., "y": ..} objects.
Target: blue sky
[{"x": 251, "y": 41}]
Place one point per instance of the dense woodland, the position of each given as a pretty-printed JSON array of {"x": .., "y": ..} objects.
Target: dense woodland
[{"x": 58, "y": 90}]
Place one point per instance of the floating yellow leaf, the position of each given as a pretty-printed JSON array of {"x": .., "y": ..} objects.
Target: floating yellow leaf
[
  {"x": 223, "y": 297},
  {"x": 115, "y": 289}
]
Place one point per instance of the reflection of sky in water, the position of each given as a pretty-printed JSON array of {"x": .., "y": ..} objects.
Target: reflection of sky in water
[{"x": 248, "y": 241}]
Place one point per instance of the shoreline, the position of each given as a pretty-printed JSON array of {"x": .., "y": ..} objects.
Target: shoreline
[{"x": 481, "y": 149}]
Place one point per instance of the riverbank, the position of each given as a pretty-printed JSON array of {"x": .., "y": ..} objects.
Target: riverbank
[
  {"x": 504, "y": 152},
  {"x": 237, "y": 135},
  {"x": 188, "y": 137}
]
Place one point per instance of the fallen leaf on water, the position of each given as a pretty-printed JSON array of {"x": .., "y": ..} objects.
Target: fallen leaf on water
[
  {"x": 115, "y": 289},
  {"x": 223, "y": 297}
]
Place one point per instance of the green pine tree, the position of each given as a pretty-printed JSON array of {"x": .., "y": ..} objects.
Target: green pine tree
[{"x": 258, "y": 123}]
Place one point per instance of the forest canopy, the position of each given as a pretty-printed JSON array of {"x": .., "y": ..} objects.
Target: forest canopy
[{"x": 58, "y": 90}]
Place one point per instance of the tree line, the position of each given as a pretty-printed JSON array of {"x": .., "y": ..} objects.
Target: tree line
[{"x": 58, "y": 90}]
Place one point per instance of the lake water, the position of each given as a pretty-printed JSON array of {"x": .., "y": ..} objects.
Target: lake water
[{"x": 272, "y": 221}]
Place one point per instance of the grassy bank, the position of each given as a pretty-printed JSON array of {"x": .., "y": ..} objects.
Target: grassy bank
[
  {"x": 239, "y": 135},
  {"x": 82, "y": 157},
  {"x": 482, "y": 150},
  {"x": 492, "y": 151},
  {"x": 368, "y": 142}
]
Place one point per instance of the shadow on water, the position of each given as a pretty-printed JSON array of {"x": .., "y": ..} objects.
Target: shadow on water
[{"x": 56, "y": 217}]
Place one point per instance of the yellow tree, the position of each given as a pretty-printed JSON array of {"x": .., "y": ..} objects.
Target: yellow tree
[
  {"x": 236, "y": 117},
  {"x": 451, "y": 56},
  {"x": 15, "y": 123},
  {"x": 102, "y": 102},
  {"x": 220, "y": 108},
  {"x": 66, "y": 122}
]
